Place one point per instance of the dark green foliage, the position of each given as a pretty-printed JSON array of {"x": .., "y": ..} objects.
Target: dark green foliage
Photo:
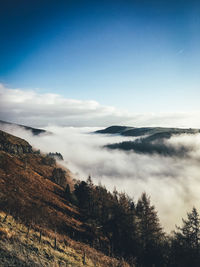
[
  {"x": 133, "y": 231},
  {"x": 146, "y": 145},
  {"x": 37, "y": 152},
  {"x": 114, "y": 130},
  {"x": 153, "y": 142},
  {"x": 150, "y": 233},
  {"x": 115, "y": 216},
  {"x": 59, "y": 177},
  {"x": 48, "y": 161},
  {"x": 50, "y": 158},
  {"x": 83, "y": 192},
  {"x": 133, "y": 131},
  {"x": 34, "y": 131},
  {"x": 186, "y": 242},
  {"x": 67, "y": 192},
  {"x": 70, "y": 196},
  {"x": 55, "y": 155}
]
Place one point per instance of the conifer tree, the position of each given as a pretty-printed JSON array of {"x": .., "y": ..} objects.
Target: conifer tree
[
  {"x": 149, "y": 232},
  {"x": 68, "y": 192},
  {"x": 186, "y": 244}
]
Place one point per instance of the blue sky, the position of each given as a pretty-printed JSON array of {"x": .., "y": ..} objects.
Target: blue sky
[{"x": 142, "y": 56}]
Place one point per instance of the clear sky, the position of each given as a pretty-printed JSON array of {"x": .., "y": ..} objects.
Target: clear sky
[{"x": 143, "y": 56}]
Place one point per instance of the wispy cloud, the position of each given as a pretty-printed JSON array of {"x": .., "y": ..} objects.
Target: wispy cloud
[
  {"x": 30, "y": 107},
  {"x": 38, "y": 109}
]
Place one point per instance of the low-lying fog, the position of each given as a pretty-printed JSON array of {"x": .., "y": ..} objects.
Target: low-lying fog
[{"x": 173, "y": 183}]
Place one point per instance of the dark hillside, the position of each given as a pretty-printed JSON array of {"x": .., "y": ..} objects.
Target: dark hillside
[
  {"x": 27, "y": 180},
  {"x": 114, "y": 130},
  {"x": 151, "y": 140},
  {"x": 140, "y": 131},
  {"x": 34, "y": 131},
  {"x": 13, "y": 145}
]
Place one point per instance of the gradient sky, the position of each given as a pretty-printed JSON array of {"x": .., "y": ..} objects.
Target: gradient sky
[{"x": 143, "y": 56}]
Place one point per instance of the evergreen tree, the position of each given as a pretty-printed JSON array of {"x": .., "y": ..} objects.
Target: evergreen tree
[
  {"x": 150, "y": 233},
  {"x": 84, "y": 191},
  {"x": 68, "y": 192},
  {"x": 186, "y": 243}
]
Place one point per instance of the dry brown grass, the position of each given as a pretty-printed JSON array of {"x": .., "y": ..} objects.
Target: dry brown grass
[
  {"x": 27, "y": 251},
  {"x": 5, "y": 233},
  {"x": 24, "y": 188},
  {"x": 33, "y": 201}
]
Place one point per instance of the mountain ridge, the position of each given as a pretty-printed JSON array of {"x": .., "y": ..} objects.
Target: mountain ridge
[
  {"x": 141, "y": 131},
  {"x": 149, "y": 140},
  {"x": 35, "y": 131}
]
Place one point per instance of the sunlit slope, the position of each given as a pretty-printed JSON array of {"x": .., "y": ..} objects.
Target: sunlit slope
[{"x": 38, "y": 226}]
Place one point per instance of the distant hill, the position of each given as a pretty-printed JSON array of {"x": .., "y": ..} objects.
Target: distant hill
[
  {"x": 34, "y": 131},
  {"x": 140, "y": 131},
  {"x": 142, "y": 146},
  {"x": 150, "y": 140},
  {"x": 114, "y": 130}
]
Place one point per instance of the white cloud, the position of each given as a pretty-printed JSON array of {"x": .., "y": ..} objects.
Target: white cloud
[
  {"x": 36, "y": 109},
  {"x": 32, "y": 108},
  {"x": 172, "y": 182}
]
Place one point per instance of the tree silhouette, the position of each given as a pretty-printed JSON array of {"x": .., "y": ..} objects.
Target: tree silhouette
[
  {"x": 150, "y": 233},
  {"x": 186, "y": 242}
]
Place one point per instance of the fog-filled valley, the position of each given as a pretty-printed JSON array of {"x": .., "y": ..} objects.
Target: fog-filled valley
[
  {"x": 172, "y": 182},
  {"x": 100, "y": 133}
]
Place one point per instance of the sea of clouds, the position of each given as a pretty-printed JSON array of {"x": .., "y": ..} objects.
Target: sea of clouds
[{"x": 172, "y": 182}]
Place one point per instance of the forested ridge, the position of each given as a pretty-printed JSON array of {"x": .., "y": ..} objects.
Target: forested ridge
[
  {"x": 133, "y": 230},
  {"x": 149, "y": 140}
]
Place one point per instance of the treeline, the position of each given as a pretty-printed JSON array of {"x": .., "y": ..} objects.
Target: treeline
[
  {"x": 151, "y": 145},
  {"x": 132, "y": 231}
]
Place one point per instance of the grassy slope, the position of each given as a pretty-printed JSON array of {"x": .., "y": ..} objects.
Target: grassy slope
[
  {"x": 30, "y": 198},
  {"x": 16, "y": 249},
  {"x": 11, "y": 139},
  {"x": 25, "y": 186}
]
